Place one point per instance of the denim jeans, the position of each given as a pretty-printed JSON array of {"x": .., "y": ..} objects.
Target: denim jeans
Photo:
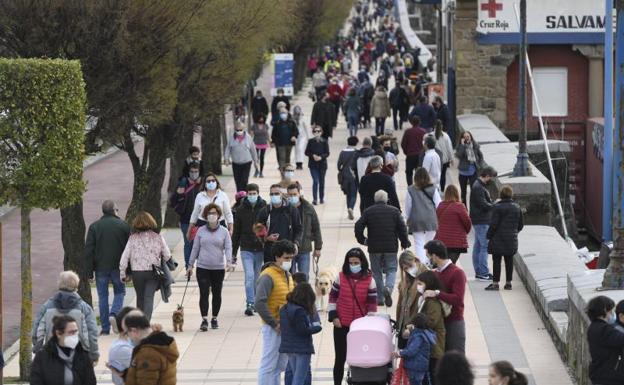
[
  {"x": 383, "y": 263},
  {"x": 352, "y": 123},
  {"x": 318, "y": 182},
  {"x": 352, "y": 196},
  {"x": 479, "y": 250},
  {"x": 188, "y": 245},
  {"x": 380, "y": 124},
  {"x": 272, "y": 362},
  {"x": 298, "y": 371},
  {"x": 301, "y": 263},
  {"x": 102, "y": 279},
  {"x": 252, "y": 262}
]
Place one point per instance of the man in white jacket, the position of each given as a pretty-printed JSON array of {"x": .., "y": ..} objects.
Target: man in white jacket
[{"x": 431, "y": 161}]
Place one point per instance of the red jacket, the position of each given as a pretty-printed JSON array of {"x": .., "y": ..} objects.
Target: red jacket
[
  {"x": 335, "y": 92},
  {"x": 454, "y": 280},
  {"x": 453, "y": 224},
  {"x": 346, "y": 305}
]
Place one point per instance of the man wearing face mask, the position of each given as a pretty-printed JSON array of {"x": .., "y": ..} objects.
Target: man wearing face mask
[
  {"x": 251, "y": 248},
  {"x": 311, "y": 231},
  {"x": 275, "y": 110},
  {"x": 284, "y": 136},
  {"x": 154, "y": 356},
  {"x": 63, "y": 360},
  {"x": 274, "y": 284},
  {"x": 183, "y": 201},
  {"x": 241, "y": 150},
  {"x": 324, "y": 115},
  {"x": 606, "y": 343},
  {"x": 282, "y": 222},
  {"x": 454, "y": 281}
]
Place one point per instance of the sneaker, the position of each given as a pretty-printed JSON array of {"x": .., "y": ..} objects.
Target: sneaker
[
  {"x": 204, "y": 325},
  {"x": 249, "y": 310},
  {"x": 256, "y": 174},
  {"x": 214, "y": 324},
  {"x": 490, "y": 276},
  {"x": 387, "y": 297},
  {"x": 508, "y": 286},
  {"x": 351, "y": 214},
  {"x": 113, "y": 323},
  {"x": 314, "y": 203},
  {"x": 492, "y": 287},
  {"x": 322, "y": 201},
  {"x": 482, "y": 278},
  {"x": 261, "y": 175},
  {"x": 104, "y": 333}
]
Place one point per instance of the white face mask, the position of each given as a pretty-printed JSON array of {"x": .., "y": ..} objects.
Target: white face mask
[
  {"x": 286, "y": 265},
  {"x": 212, "y": 219},
  {"x": 71, "y": 341},
  {"x": 420, "y": 288},
  {"x": 412, "y": 271},
  {"x": 289, "y": 174}
]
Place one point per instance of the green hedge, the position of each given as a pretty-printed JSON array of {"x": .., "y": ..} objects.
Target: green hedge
[{"x": 42, "y": 123}]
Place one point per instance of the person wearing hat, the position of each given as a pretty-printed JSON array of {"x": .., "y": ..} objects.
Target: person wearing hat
[{"x": 275, "y": 107}]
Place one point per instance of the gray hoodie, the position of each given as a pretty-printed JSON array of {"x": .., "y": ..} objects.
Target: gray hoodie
[{"x": 241, "y": 151}]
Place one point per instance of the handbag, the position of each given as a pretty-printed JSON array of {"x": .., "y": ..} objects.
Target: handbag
[
  {"x": 159, "y": 274},
  {"x": 400, "y": 377},
  {"x": 194, "y": 230}
]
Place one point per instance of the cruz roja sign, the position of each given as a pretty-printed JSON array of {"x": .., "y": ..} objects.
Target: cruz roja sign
[{"x": 548, "y": 21}]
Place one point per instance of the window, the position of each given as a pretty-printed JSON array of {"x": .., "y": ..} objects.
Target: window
[{"x": 551, "y": 87}]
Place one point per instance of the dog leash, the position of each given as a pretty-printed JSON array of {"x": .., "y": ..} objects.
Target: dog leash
[
  {"x": 315, "y": 268},
  {"x": 188, "y": 279}
]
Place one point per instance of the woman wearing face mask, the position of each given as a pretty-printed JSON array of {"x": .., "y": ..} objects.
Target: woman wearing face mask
[
  {"x": 241, "y": 150},
  {"x": 283, "y": 137},
  {"x": 353, "y": 295},
  {"x": 211, "y": 193},
  {"x": 120, "y": 351},
  {"x": 317, "y": 152},
  {"x": 260, "y": 132},
  {"x": 302, "y": 138},
  {"x": 63, "y": 360},
  {"x": 470, "y": 159},
  {"x": 503, "y": 373},
  {"x": 605, "y": 342},
  {"x": 212, "y": 250},
  {"x": 407, "y": 305},
  {"x": 432, "y": 308}
]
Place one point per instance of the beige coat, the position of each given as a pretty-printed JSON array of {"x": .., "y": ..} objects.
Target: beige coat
[{"x": 380, "y": 105}]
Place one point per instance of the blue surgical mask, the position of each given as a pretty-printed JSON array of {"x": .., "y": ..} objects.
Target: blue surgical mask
[
  {"x": 252, "y": 199},
  {"x": 283, "y": 116},
  {"x": 211, "y": 185},
  {"x": 355, "y": 268},
  {"x": 289, "y": 174},
  {"x": 293, "y": 200},
  {"x": 276, "y": 199},
  {"x": 612, "y": 318}
]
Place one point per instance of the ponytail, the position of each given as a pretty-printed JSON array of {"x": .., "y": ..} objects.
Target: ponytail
[
  {"x": 438, "y": 129},
  {"x": 505, "y": 369}
]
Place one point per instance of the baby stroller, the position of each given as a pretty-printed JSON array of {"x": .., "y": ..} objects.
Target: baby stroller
[{"x": 370, "y": 344}]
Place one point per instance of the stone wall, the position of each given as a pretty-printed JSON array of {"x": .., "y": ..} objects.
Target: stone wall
[{"x": 481, "y": 69}]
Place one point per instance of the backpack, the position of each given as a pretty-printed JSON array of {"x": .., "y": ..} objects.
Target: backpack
[{"x": 44, "y": 328}]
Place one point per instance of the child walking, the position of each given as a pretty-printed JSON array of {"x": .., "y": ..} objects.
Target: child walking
[
  {"x": 417, "y": 352},
  {"x": 298, "y": 322}
]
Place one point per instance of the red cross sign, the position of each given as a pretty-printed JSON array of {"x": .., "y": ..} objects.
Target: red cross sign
[{"x": 491, "y": 7}]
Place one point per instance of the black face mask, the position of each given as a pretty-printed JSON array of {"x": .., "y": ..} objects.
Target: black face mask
[{"x": 387, "y": 148}]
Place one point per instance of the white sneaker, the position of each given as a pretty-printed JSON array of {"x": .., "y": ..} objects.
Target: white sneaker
[{"x": 113, "y": 323}]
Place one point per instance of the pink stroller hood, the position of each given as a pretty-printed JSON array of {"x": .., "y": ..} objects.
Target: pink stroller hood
[{"x": 369, "y": 342}]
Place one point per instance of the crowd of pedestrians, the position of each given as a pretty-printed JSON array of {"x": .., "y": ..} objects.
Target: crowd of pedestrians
[{"x": 278, "y": 236}]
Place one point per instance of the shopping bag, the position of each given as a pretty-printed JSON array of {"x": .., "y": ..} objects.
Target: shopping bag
[{"x": 400, "y": 376}]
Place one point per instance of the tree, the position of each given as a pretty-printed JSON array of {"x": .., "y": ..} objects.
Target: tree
[{"x": 42, "y": 117}]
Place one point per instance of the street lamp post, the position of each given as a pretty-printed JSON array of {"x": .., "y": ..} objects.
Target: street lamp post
[
  {"x": 521, "y": 167},
  {"x": 614, "y": 276}
]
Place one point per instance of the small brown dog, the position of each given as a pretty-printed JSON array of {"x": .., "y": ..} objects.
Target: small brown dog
[{"x": 178, "y": 319}]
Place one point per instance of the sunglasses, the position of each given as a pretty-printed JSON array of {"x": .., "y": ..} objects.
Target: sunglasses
[{"x": 316, "y": 132}]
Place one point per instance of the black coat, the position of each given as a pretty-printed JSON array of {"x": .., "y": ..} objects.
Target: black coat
[
  {"x": 606, "y": 346},
  {"x": 48, "y": 368},
  {"x": 385, "y": 227},
  {"x": 318, "y": 147},
  {"x": 324, "y": 115},
  {"x": 505, "y": 225},
  {"x": 259, "y": 107},
  {"x": 244, "y": 235},
  {"x": 480, "y": 204},
  {"x": 377, "y": 181},
  {"x": 285, "y": 221}
]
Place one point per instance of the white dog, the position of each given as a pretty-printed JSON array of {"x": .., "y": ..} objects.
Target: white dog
[{"x": 323, "y": 286}]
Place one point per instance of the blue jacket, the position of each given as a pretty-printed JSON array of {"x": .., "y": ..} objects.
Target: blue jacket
[
  {"x": 426, "y": 113},
  {"x": 418, "y": 350},
  {"x": 296, "y": 328}
]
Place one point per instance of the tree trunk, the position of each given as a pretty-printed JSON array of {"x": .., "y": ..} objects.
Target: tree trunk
[
  {"x": 149, "y": 174},
  {"x": 211, "y": 143},
  {"x": 25, "y": 344},
  {"x": 300, "y": 67},
  {"x": 183, "y": 140},
  {"x": 73, "y": 237}
]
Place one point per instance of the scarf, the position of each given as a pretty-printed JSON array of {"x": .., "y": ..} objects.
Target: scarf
[
  {"x": 470, "y": 154},
  {"x": 68, "y": 362}
]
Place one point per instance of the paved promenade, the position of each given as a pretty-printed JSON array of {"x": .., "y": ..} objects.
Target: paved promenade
[{"x": 500, "y": 325}]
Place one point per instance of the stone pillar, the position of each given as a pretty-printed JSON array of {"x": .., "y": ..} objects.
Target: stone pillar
[{"x": 595, "y": 55}]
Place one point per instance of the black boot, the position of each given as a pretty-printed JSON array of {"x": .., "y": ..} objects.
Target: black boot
[{"x": 299, "y": 165}]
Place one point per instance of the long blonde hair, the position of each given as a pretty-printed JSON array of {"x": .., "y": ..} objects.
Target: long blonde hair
[{"x": 408, "y": 258}]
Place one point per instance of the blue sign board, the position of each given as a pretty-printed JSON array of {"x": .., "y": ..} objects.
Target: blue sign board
[{"x": 283, "y": 67}]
